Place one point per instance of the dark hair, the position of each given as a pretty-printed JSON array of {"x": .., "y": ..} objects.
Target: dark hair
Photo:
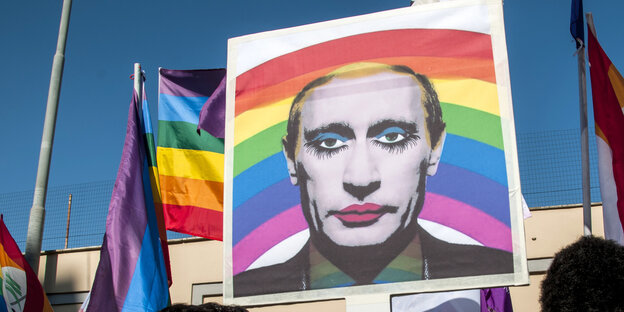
[
  {"x": 206, "y": 307},
  {"x": 433, "y": 119},
  {"x": 585, "y": 276}
]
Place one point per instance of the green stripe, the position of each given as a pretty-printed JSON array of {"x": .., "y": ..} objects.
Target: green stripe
[
  {"x": 394, "y": 275},
  {"x": 470, "y": 123},
  {"x": 258, "y": 147},
  {"x": 473, "y": 124},
  {"x": 151, "y": 150},
  {"x": 332, "y": 280},
  {"x": 183, "y": 135}
]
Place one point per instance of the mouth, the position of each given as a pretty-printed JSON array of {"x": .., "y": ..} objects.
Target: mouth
[{"x": 361, "y": 215}]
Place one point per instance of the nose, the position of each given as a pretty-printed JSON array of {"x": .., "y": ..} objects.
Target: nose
[{"x": 361, "y": 177}]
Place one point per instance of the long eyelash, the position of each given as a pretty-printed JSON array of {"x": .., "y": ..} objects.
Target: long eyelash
[
  {"x": 399, "y": 147},
  {"x": 315, "y": 149}
]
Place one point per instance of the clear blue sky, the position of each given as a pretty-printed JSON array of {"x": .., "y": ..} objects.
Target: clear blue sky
[{"x": 107, "y": 37}]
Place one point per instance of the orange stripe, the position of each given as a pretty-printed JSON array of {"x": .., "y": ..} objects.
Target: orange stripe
[
  {"x": 617, "y": 82},
  {"x": 191, "y": 192},
  {"x": 438, "y": 67},
  {"x": 601, "y": 135}
]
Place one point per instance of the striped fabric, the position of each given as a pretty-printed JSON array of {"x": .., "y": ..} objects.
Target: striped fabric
[
  {"x": 19, "y": 285},
  {"x": 132, "y": 272},
  {"x": 190, "y": 164},
  {"x": 469, "y": 192},
  {"x": 608, "y": 98}
]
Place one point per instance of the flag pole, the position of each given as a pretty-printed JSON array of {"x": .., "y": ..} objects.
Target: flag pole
[
  {"x": 587, "y": 226},
  {"x": 37, "y": 212},
  {"x": 138, "y": 81}
]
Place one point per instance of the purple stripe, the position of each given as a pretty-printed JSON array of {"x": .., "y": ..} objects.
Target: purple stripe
[
  {"x": 262, "y": 207},
  {"x": 473, "y": 189},
  {"x": 194, "y": 83},
  {"x": 266, "y": 236},
  {"x": 125, "y": 224},
  {"x": 212, "y": 115}
]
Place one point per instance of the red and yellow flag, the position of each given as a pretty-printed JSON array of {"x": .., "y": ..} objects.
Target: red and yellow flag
[{"x": 608, "y": 96}]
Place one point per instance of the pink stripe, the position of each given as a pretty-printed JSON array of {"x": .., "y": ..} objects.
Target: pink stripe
[
  {"x": 468, "y": 220},
  {"x": 267, "y": 235}
]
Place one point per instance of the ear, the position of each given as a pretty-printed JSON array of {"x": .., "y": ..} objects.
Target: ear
[
  {"x": 434, "y": 156},
  {"x": 290, "y": 163}
]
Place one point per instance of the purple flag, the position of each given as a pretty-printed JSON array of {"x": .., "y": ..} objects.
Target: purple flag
[
  {"x": 131, "y": 275},
  {"x": 496, "y": 300},
  {"x": 212, "y": 115}
]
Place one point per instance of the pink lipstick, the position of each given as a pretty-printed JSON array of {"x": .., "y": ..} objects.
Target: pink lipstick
[{"x": 365, "y": 214}]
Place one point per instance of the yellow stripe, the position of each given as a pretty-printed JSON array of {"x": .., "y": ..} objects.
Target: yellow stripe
[
  {"x": 618, "y": 84},
  {"x": 193, "y": 164},
  {"x": 256, "y": 120},
  {"x": 155, "y": 184},
  {"x": 601, "y": 135},
  {"x": 471, "y": 93}
]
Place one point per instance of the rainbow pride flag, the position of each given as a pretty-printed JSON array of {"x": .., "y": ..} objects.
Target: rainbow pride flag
[
  {"x": 20, "y": 289},
  {"x": 132, "y": 272},
  {"x": 469, "y": 193},
  {"x": 190, "y": 164}
]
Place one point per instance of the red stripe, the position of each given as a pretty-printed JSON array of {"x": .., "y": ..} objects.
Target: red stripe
[
  {"x": 390, "y": 43},
  {"x": 432, "y": 67},
  {"x": 195, "y": 221},
  {"x": 608, "y": 114}
]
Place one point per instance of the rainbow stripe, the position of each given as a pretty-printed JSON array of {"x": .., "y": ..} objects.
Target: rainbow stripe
[
  {"x": 191, "y": 164},
  {"x": 470, "y": 187}
]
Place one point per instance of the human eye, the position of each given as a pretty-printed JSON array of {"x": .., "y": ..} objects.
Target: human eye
[
  {"x": 395, "y": 139},
  {"x": 327, "y": 144}
]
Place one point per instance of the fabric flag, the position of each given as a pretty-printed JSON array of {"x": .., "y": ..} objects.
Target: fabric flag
[
  {"x": 132, "y": 273},
  {"x": 577, "y": 27},
  {"x": 608, "y": 98},
  {"x": 212, "y": 115},
  {"x": 20, "y": 288},
  {"x": 190, "y": 164}
]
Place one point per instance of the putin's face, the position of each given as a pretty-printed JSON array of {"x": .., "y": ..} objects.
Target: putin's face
[{"x": 363, "y": 157}]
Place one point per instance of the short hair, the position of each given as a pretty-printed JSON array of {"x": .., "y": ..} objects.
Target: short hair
[
  {"x": 585, "y": 276},
  {"x": 429, "y": 99}
]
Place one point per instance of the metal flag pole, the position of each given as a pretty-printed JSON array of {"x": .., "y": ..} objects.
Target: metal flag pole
[
  {"x": 37, "y": 212},
  {"x": 138, "y": 82},
  {"x": 587, "y": 226}
]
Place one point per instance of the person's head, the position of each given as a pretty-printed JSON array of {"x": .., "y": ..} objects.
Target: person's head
[
  {"x": 360, "y": 142},
  {"x": 585, "y": 276},
  {"x": 206, "y": 307}
]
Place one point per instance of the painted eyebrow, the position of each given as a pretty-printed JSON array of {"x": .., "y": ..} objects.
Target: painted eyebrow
[
  {"x": 382, "y": 125},
  {"x": 339, "y": 128}
]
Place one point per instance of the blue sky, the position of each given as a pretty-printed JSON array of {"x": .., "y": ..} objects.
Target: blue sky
[{"x": 107, "y": 37}]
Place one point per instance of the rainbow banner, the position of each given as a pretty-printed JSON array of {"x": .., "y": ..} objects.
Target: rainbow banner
[
  {"x": 190, "y": 163},
  {"x": 21, "y": 290},
  {"x": 472, "y": 199},
  {"x": 469, "y": 192}
]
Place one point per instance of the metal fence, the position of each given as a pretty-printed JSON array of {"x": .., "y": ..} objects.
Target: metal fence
[{"x": 550, "y": 171}]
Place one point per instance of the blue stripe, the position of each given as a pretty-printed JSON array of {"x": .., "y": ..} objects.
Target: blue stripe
[
  {"x": 180, "y": 108},
  {"x": 473, "y": 189},
  {"x": 262, "y": 207},
  {"x": 149, "y": 289},
  {"x": 258, "y": 177},
  {"x": 146, "y": 122},
  {"x": 475, "y": 156}
]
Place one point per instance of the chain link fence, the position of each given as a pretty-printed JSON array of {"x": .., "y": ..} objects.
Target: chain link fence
[{"x": 550, "y": 171}]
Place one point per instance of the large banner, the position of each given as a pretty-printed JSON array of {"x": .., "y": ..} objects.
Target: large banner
[{"x": 372, "y": 154}]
